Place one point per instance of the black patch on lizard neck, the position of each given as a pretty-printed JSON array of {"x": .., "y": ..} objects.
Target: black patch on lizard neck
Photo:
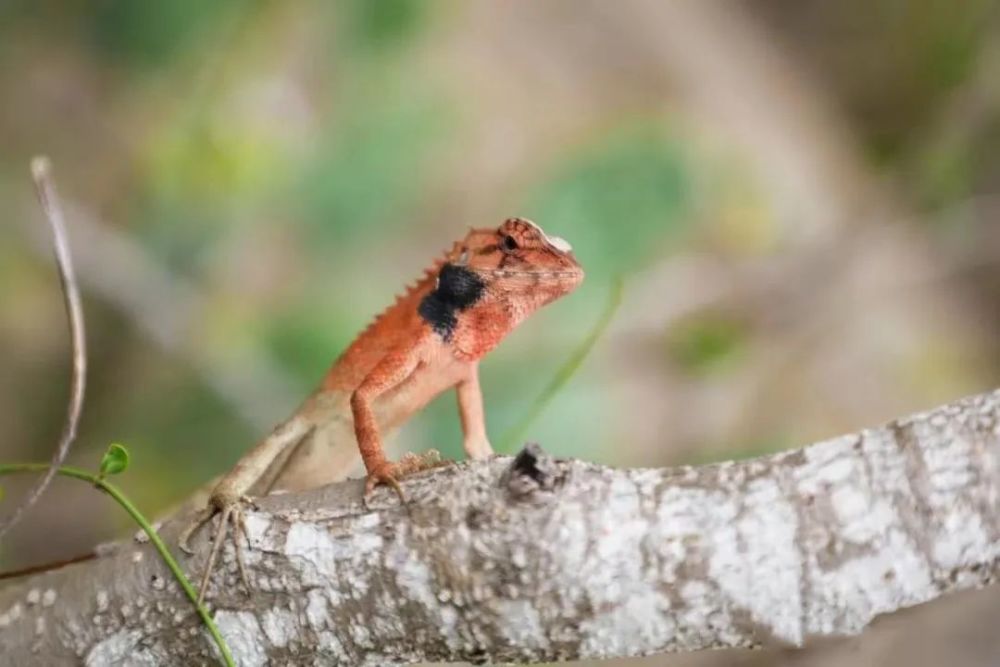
[{"x": 457, "y": 289}]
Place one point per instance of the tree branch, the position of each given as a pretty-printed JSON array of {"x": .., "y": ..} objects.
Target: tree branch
[
  {"x": 534, "y": 559},
  {"x": 41, "y": 171}
]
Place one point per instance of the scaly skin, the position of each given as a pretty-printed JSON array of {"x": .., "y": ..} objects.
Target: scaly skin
[{"x": 429, "y": 340}]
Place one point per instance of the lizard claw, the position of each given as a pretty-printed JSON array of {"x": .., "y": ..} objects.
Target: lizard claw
[
  {"x": 197, "y": 521},
  {"x": 229, "y": 511},
  {"x": 389, "y": 473}
]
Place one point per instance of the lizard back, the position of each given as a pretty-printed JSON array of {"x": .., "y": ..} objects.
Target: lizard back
[{"x": 389, "y": 328}]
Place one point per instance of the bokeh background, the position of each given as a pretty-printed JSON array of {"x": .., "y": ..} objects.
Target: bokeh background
[{"x": 799, "y": 197}]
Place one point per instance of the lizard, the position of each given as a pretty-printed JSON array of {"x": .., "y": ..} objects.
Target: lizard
[{"x": 429, "y": 340}]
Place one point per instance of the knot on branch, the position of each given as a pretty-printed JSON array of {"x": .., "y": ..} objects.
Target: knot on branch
[{"x": 532, "y": 470}]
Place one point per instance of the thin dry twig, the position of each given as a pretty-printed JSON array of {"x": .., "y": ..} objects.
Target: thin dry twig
[
  {"x": 167, "y": 308},
  {"x": 49, "y": 199}
]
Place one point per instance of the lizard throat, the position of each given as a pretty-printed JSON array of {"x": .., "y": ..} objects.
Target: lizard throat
[{"x": 457, "y": 289}]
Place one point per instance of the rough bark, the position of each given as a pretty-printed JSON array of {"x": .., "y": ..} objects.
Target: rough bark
[{"x": 534, "y": 559}]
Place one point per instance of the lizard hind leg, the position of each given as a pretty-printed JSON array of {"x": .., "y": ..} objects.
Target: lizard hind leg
[
  {"x": 229, "y": 498},
  {"x": 228, "y": 512}
]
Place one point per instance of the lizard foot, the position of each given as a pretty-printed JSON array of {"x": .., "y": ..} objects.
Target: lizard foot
[
  {"x": 230, "y": 510},
  {"x": 389, "y": 473}
]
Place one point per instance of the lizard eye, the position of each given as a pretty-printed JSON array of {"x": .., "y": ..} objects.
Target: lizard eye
[{"x": 508, "y": 244}]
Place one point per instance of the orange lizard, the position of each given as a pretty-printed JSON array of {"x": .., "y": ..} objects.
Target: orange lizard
[{"x": 429, "y": 340}]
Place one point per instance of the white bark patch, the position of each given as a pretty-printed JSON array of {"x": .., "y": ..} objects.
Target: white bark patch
[
  {"x": 949, "y": 468},
  {"x": 637, "y": 620},
  {"x": 280, "y": 626},
  {"x": 317, "y": 610},
  {"x": 244, "y": 636},
  {"x": 520, "y": 623},
  {"x": 317, "y": 550},
  {"x": 117, "y": 649},
  {"x": 757, "y": 563},
  {"x": 869, "y": 585},
  {"x": 627, "y": 610},
  {"x": 328, "y": 642},
  {"x": 967, "y": 538},
  {"x": 414, "y": 578},
  {"x": 257, "y": 525},
  {"x": 11, "y": 615}
]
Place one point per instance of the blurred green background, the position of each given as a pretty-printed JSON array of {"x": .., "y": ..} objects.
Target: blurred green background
[{"x": 798, "y": 195}]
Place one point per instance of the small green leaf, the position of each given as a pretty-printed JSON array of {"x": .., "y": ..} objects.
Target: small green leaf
[
  {"x": 1, "y": 494},
  {"x": 707, "y": 343},
  {"x": 115, "y": 460}
]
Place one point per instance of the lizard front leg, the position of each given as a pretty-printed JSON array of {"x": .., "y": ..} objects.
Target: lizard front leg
[
  {"x": 470, "y": 411},
  {"x": 231, "y": 492},
  {"x": 393, "y": 370}
]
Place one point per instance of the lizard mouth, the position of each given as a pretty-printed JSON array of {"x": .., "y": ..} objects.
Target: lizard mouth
[{"x": 507, "y": 273}]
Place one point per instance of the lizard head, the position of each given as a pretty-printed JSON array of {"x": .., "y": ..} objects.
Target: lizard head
[
  {"x": 520, "y": 264},
  {"x": 495, "y": 278}
]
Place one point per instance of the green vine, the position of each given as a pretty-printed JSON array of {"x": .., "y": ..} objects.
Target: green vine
[
  {"x": 568, "y": 369},
  {"x": 115, "y": 460}
]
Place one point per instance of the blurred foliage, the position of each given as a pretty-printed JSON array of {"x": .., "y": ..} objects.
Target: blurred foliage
[
  {"x": 140, "y": 35},
  {"x": 628, "y": 194},
  {"x": 375, "y": 26},
  {"x": 302, "y": 340},
  {"x": 370, "y": 171},
  {"x": 707, "y": 343}
]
